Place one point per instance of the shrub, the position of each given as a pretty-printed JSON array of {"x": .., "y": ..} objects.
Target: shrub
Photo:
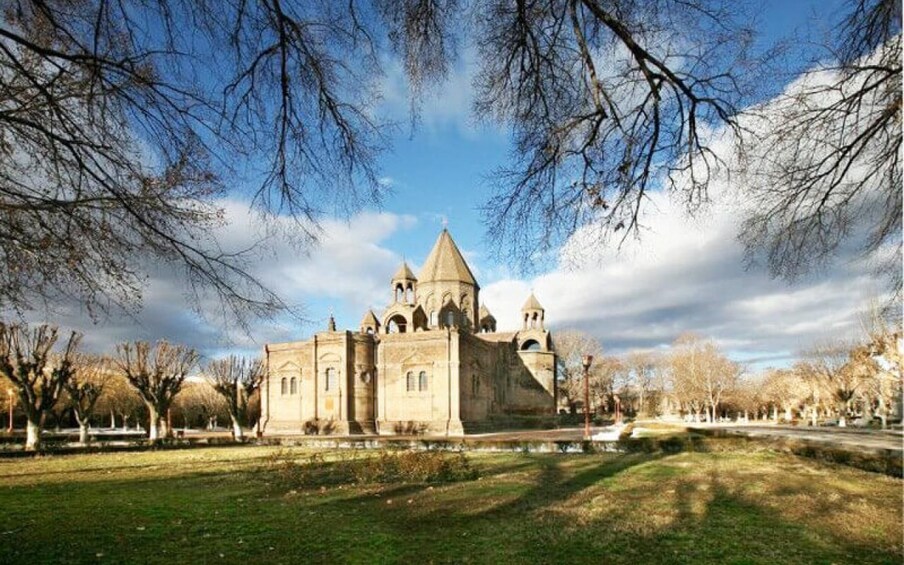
[{"x": 414, "y": 467}]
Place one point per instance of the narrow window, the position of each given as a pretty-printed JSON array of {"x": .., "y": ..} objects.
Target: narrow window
[
  {"x": 433, "y": 319},
  {"x": 409, "y": 382},
  {"x": 293, "y": 386},
  {"x": 422, "y": 381},
  {"x": 283, "y": 388},
  {"x": 450, "y": 318},
  {"x": 331, "y": 383}
]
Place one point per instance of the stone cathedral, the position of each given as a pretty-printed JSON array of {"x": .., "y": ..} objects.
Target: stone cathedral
[{"x": 432, "y": 363}]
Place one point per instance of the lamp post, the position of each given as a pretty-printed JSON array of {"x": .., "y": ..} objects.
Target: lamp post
[
  {"x": 587, "y": 361},
  {"x": 9, "y": 394}
]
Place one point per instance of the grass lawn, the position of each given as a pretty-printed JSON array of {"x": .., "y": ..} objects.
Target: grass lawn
[{"x": 241, "y": 505}]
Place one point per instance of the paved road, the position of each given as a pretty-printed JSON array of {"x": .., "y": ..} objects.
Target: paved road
[
  {"x": 873, "y": 439},
  {"x": 851, "y": 437}
]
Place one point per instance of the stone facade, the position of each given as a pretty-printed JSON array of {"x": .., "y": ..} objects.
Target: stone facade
[{"x": 432, "y": 363}]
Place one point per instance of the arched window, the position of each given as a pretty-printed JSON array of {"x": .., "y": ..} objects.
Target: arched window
[
  {"x": 530, "y": 345},
  {"x": 422, "y": 381},
  {"x": 433, "y": 319},
  {"x": 331, "y": 383},
  {"x": 293, "y": 386},
  {"x": 283, "y": 386},
  {"x": 450, "y": 318},
  {"x": 409, "y": 382},
  {"x": 370, "y": 331}
]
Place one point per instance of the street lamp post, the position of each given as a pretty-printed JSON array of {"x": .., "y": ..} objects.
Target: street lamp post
[
  {"x": 9, "y": 394},
  {"x": 587, "y": 361}
]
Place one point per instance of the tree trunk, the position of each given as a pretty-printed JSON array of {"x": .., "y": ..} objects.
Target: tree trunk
[
  {"x": 164, "y": 428},
  {"x": 237, "y": 429},
  {"x": 153, "y": 424},
  {"x": 32, "y": 435},
  {"x": 83, "y": 433},
  {"x": 112, "y": 420}
]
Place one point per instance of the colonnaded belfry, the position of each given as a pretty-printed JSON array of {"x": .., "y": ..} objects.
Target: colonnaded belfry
[{"x": 432, "y": 363}]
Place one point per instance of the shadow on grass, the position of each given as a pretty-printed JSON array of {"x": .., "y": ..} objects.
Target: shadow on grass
[{"x": 525, "y": 508}]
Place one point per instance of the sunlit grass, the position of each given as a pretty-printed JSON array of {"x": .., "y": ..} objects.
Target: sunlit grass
[{"x": 233, "y": 505}]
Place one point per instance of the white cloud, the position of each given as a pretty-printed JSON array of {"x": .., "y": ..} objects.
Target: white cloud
[
  {"x": 682, "y": 276},
  {"x": 349, "y": 268}
]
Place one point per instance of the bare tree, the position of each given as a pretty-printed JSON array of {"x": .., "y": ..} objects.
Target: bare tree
[
  {"x": 84, "y": 388},
  {"x": 701, "y": 373},
  {"x": 786, "y": 390},
  {"x": 119, "y": 398},
  {"x": 830, "y": 365},
  {"x": 605, "y": 100},
  {"x": 120, "y": 120},
  {"x": 157, "y": 373},
  {"x": 39, "y": 375},
  {"x": 823, "y": 167},
  {"x": 571, "y": 346},
  {"x": 645, "y": 370},
  {"x": 198, "y": 403},
  {"x": 236, "y": 379}
]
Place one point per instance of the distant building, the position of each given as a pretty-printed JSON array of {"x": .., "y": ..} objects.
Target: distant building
[{"x": 433, "y": 362}]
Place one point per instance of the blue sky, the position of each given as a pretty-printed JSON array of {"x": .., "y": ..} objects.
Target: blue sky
[{"x": 686, "y": 277}]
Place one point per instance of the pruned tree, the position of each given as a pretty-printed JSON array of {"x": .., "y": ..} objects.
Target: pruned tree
[
  {"x": 236, "y": 379},
  {"x": 571, "y": 345},
  {"x": 39, "y": 375},
  {"x": 157, "y": 372},
  {"x": 822, "y": 165},
  {"x": 89, "y": 377}
]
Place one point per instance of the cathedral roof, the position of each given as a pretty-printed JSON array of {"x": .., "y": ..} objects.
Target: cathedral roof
[
  {"x": 445, "y": 263},
  {"x": 484, "y": 312},
  {"x": 370, "y": 319},
  {"x": 532, "y": 303},
  {"x": 404, "y": 273}
]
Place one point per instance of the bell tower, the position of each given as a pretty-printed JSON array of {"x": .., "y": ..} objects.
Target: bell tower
[
  {"x": 404, "y": 286},
  {"x": 532, "y": 313}
]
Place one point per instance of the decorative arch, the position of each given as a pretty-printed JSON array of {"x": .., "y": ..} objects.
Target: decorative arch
[
  {"x": 531, "y": 345},
  {"x": 397, "y": 323}
]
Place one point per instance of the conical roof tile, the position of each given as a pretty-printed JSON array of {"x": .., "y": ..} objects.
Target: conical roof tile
[
  {"x": 404, "y": 273},
  {"x": 532, "y": 303},
  {"x": 370, "y": 319},
  {"x": 446, "y": 263}
]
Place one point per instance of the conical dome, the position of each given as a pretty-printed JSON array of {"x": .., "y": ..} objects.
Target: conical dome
[
  {"x": 370, "y": 319},
  {"x": 404, "y": 273},
  {"x": 532, "y": 303},
  {"x": 446, "y": 263}
]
